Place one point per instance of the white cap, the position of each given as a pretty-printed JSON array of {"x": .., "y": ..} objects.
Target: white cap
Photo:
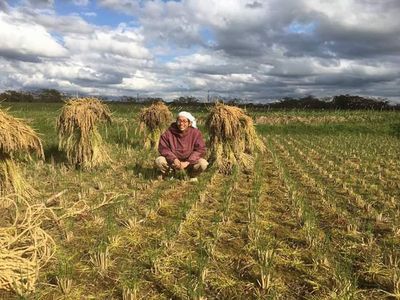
[{"x": 188, "y": 116}]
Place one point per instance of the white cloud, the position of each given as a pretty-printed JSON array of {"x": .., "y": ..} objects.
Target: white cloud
[
  {"x": 258, "y": 49},
  {"x": 38, "y": 3},
  {"x": 89, "y": 14},
  {"x": 90, "y": 58},
  {"x": 198, "y": 83},
  {"x": 18, "y": 39},
  {"x": 81, "y": 2},
  {"x": 142, "y": 81},
  {"x": 53, "y": 22},
  {"x": 196, "y": 60},
  {"x": 125, "y": 6},
  {"x": 124, "y": 43},
  {"x": 223, "y": 14},
  {"x": 377, "y": 16}
]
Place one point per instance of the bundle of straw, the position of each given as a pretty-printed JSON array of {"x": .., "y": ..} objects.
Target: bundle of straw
[
  {"x": 233, "y": 138},
  {"x": 15, "y": 137},
  {"x": 153, "y": 121},
  {"x": 24, "y": 246},
  {"x": 78, "y": 133}
]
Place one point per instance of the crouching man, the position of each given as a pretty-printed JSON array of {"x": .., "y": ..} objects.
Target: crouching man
[{"x": 182, "y": 147}]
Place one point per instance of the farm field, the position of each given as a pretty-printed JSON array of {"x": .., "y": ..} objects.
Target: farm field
[{"x": 318, "y": 218}]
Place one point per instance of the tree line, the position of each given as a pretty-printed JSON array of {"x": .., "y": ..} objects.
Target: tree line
[
  {"x": 43, "y": 95},
  {"x": 345, "y": 102}
]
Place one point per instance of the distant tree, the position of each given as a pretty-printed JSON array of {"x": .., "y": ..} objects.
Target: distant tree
[
  {"x": 358, "y": 102},
  {"x": 396, "y": 107},
  {"x": 186, "y": 100},
  {"x": 44, "y": 95},
  {"x": 128, "y": 99},
  {"x": 50, "y": 95},
  {"x": 15, "y": 96},
  {"x": 307, "y": 102},
  {"x": 312, "y": 102},
  {"x": 152, "y": 100},
  {"x": 233, "y": 101}
]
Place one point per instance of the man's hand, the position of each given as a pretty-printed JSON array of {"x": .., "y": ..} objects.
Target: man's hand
[
  {"x": 184, "y": 164},
  {"x": 177, "y": 165},
  {"x": 180, "y": 165}
]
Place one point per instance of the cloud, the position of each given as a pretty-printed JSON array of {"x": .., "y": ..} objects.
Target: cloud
[
  {"x": 81, "y": 2},
  {"x": 27, "y": 42},
  {"x": 89, "y": 14},
  {"x": 53, "y": 22},
  {"x": 142, "y": 81},
  {"x": 124, "y": 6},
  {"x": 40, "y": 50},
  {"x": 170, "y": 22},
  {"x": 3, "y": 5},
  {"x": 244, "y": 48},
  {"x": 121, "y": 42},
  {"x": 254, "y": 4},
  {"x": 199, "y": 64},
  {"x": 354, "y": 28},
  {"x": 39, "y": 3}
]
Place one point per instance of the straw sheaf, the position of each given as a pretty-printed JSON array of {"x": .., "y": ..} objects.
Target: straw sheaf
[
  {"x": 156, "y": 116},
  {"x": 230, "y": 124},
  {"x": 233, "y": 138},
  {"x": 16, "y": 136},
  {"x": 82, "y": 114},
  {"x": 153, "y": 120},
  {"x": 78, "y": 134}
]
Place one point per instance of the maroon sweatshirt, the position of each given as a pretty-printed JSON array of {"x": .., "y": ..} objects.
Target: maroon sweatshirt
[{"x": 185, "y": 146}]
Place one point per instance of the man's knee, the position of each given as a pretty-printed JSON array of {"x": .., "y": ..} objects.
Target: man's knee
[
  {"x": 201, "y": 165},
  {"x": 161, "y": 163}
]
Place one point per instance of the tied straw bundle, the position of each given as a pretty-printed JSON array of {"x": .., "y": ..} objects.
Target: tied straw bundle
[
  {"x": 78, "y": 133},
  {"x": 153, "y": 121},
  {"x": 15, "y": 137},
  {"x": 233, "y": 138}
]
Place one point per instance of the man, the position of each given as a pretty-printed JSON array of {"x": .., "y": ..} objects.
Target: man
[{"x": 182, "y": 147}]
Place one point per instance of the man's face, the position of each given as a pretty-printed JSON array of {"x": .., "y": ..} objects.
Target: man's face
[{"x": 182, "y": 123}]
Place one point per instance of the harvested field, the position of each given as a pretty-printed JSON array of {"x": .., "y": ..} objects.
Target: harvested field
[{"x": 317, "y": 218}]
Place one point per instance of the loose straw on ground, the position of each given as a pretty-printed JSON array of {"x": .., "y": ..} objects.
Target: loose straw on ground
[
  {"x": 153, "y": 121},
  {"x": 24, "y": 246},
  {"x": 15, "y": 137},
  {"x": 233, "y": 139},
  {"x": 78, "y": 133}
]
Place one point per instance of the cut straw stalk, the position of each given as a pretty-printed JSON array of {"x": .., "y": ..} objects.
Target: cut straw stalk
[
  {"x": 233, "y": 139},
  {"x": 24, "y": 246},
  {"x": 15, "y": 137},
  {"x": 11, "y": 180},
  {"x": 153, "y": 121},
  {"x": 78, "y": 133}
]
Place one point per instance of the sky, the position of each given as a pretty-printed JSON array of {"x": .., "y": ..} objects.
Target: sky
[{"x": 257, "y": 50}]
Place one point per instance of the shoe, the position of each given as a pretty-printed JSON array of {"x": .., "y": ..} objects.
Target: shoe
[{"x": 193, "y": 179}]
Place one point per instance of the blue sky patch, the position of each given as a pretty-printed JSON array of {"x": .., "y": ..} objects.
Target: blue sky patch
[
  {"x": 94, "y": 14},
  {"x": 301, "y": 28},
  {"x": 208, "y": 36}
]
